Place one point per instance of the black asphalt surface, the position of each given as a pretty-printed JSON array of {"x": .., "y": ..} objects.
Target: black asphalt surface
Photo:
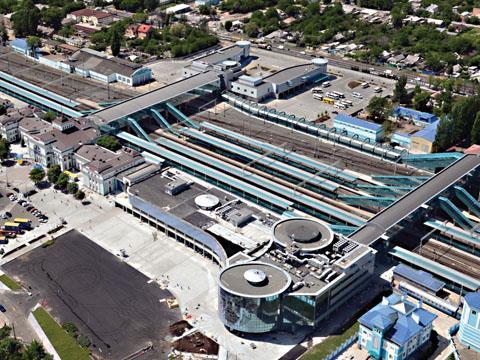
[
  {"x": 107, "y": 299},
  {"x": 393, "y": 214}
]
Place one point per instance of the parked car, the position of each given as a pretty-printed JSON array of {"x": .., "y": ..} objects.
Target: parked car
[{"x": 2, "y": 308}]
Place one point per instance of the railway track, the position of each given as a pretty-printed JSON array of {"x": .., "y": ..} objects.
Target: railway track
[
  {"x": 305, "y": 145},
  {"x": 451, "y": 257}
]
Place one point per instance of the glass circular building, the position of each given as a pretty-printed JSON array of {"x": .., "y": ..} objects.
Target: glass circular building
[{"x": 250, "y": 298}]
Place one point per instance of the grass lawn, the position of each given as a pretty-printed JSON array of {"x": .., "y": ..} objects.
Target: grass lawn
[
  {"x": 64, "y": 344},
  {"x": 320, "y": 351},
  {"x": 10, "y": 283}
]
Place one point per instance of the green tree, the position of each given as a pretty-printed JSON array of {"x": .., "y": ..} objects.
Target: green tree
[
  {"x": 70, "y": 328},
  {"x": 72, "y": 188},
  {"x": 388, "y": 128},
  {"x": 5, "y": 331},
  {"x": 53, "y": 173},
  {"x": 251, "y": 29},
  {"x": 228, "y": 25},
  {"x": 62, "y": 181},
  {"x": 80, "y": 195},
  {"x": 150, "y": 4},
  {"x": 116, "y": 41},
  {"x": 53, "y": 16},
  {"x": 10, "y": 349},
  {"x": 35, "y": 351},
  {"x": 4, "y": 149},
  {"x": 37, "y": 175},
  {"x": 3, "y": 32},
  {"x": 26, "y": 19},
  {"x": 400, "y": 94},
  {"x": 475, "y": 137},
  {"x": 33, "y": 42},
  {"x": 109, "y": 142},
  {"x": 379, "y": 109},
  {"x": 49, "y": 116},
  {"x": 421, "y": 101}
]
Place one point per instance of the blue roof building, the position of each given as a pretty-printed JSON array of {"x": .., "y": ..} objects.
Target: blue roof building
[
  {"x": 420, "y": 278},
  {"x": 358, "y": 128},
  {"x": 21, "y": 46},
  {"x": 422, "y": 141},
  {"x": 414, "y": 115},
  {"x": 395, "y": 328},
  {"x": 469, "y": 332}
]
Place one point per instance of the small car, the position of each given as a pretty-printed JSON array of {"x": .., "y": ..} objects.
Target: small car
[{"x": 2, "y": 308}]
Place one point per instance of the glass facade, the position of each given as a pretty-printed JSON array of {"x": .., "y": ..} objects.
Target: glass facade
[{"x": 249, "y": 315}]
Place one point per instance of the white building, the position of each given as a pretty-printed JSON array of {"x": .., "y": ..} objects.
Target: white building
[{"x": 101, "y": 166}]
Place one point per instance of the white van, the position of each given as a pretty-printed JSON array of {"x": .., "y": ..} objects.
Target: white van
[
  {"x": 365, "y": 85},
  {"x": 378, "y": 89},
  {"x": 326, "y": 84},
  {"x": 357, "y": 95}
]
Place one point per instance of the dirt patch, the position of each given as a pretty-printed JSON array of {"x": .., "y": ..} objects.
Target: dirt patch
[
  {"x": 179, "y": 328},
  {"x": 353, "y": 84},
  {"x": 196, "y": 343}
]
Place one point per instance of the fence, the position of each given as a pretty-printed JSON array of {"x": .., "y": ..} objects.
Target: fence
[{"x": 342, "y": 347}]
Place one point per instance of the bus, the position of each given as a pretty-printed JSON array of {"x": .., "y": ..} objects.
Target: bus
[
  {"x": 333, "y": 95},
  {"x": 340, "y": 106},
  {"x": 25, "y": 224},
  {"x": 328, "y": 100},
  {"x": 348, "y": 102},
  {"x": 11, "y": 226},
  {"x": 317, "y": 90},
  {"x": 317, "y": 96},
  {"x": 339, "y": 94}
]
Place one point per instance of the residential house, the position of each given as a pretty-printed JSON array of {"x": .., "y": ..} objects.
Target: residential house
[{"x": 92, "y": 17}]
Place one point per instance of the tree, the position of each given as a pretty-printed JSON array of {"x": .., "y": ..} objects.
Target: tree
[
  {"x": 4, "y": 149},
  {"x": 421, "y": 101},
  {"x": 10, "y": 349},
  {"x": 53, "y": 16},
  {"x": 33, "y": 42},
  {"x": 3, "y": 32},
  {"x": 150, "y": 4},
  {"x": 251, "y": 29},
  {"x": 379, "y": 109},
  {"x": 70, "y": 328},
  {"x": 116, "y": 42},
  {"x": 35, "y": 351},
  {"x": 62, "y": 181},
  {"x": 400, "y": 94},
  {"x": 475, "y": 137},
  {"x": 388, "y": 128},
  {"x": 5, "y": 331},
  {"x": 228, "y": 25},
  {"x": 72, "y": 188},
  {"x": 80, "y": 195},
  {"x": 49, "y": 116},
  {"x": 37, "y": 175},
  {"x": 109, "y": 142},
  {"x": 26, "y": 19},
  {"x": 53, "y": 173}
]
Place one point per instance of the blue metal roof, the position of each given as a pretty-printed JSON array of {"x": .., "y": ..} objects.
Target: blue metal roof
[
  {"x": 419, "y": 277},
  {"x": 268, "y": 162},
  {"x": 415, "y": 114},
  {"x": 357, "y": 122},
  {"x": 428, "y": 132},
  {"x": 286, "y": 192},
  {"x": 473, "y": 300},
  {"x": 238, "y": 184},
  {"x": 331, "y": 170},
  {"x": 436, "y": 268},
  {"x": 394, "y": 316}
]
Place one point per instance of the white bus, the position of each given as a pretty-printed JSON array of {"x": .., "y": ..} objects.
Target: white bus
[
  {"x": 341, "y": 95},
  {"x": 333, "y": 95},
  {"x": 317, "y": 90},
  {"x": 340, "y": 106},
  {"x": 348, "y": 102},
  {"x": 318, "y": 97}
]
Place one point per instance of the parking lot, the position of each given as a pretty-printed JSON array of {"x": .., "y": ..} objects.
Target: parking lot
[
  {"x": 110, "y": 302},
  {"x": 345, "y": 81}
]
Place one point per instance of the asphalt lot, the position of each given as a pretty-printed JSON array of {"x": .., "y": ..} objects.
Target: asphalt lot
[
  {"x": 108, "y": 300},
  {"x": 302, "y": 102}
]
